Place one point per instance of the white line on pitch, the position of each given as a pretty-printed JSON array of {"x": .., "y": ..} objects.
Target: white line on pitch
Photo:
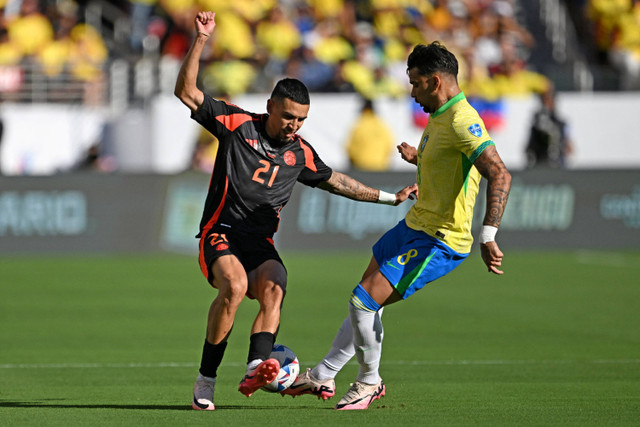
[
  {"x": 606, "y": 259},
  {"x": 384, "y": 362}
]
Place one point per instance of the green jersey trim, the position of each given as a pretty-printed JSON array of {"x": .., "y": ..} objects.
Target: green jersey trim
[
  {"x": 480, "y": 149},
  {"x": 466, "y": 167},
  {"x": 448, "y": 104}
]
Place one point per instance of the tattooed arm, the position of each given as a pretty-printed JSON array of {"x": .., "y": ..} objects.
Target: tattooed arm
[
  {"x": 346, "y": 186},
  {"x": 491, "y": 167}
]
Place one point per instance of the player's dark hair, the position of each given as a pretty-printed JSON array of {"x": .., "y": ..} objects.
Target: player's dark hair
[
  {"x": 432, "y": 58},
  {"x": 292, "y": 89}
]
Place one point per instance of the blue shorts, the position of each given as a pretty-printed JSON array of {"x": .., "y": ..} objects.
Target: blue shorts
[{"x": 410, "y": 259}]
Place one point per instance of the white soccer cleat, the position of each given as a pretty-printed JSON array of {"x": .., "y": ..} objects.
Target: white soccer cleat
[
  {"x": 306, "y": 383},
  {"x": 203, "y": 390},
  {"x": 360, "y": 395}
]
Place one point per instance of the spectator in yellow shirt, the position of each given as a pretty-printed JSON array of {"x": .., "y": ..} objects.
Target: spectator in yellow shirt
[
  {"x": 30, "y": 30},
  {"x": 371, "y": 142},
  {"x": 10, "y": 52},
  {"x": 233, "y": 35},
  {"x": 54, "y": 57},
  {"x": 513, "y": 79},
  {"x": 278, "y": 35},
  {"x": 229, "y": 75},
  {"x": 89, "y": 53},
  {"x": 331, "y": 47}
]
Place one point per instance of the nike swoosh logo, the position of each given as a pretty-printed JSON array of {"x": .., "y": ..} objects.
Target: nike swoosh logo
[
  {"x": 391, "y": 265},
  {"x": 295, "y": 387},
  {"x": 198, "y": 404}
]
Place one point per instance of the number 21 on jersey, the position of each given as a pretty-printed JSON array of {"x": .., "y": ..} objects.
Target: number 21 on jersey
[{"x": 264, "y": 172}]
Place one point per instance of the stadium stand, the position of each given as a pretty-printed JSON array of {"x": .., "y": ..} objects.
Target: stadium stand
[{"x": 100, "y": 52}]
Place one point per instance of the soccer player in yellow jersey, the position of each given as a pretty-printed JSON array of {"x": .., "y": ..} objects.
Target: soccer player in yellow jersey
[{"x": 455, "y": 151}]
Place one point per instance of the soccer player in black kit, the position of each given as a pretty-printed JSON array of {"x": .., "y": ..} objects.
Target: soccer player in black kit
[{"x": 260, "y": 158}]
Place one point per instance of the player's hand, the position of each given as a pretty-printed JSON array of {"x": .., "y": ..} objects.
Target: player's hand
[
  {"x": 408, "y": 192},
  {"x": 408, "y": 153},
  {"x": 492, "y": 257},
  {"x": 205, "y": 22}
]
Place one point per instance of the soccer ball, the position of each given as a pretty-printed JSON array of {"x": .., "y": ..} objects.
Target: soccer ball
[{"x": 289, "y": 368}]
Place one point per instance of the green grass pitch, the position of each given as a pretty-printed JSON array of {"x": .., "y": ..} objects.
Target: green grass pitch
[{"x": 116, "y": 340}]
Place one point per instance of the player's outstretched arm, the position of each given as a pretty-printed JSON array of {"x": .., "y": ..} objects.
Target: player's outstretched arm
[
  {"x": 408, "y": 153},
  {"x": 491, "y": 167},
  {"x": 186, "y": 89},
  {"x": 346, "y": 186}
]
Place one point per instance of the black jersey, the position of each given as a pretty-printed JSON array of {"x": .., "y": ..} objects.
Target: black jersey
[{"x": 253, "y": 174}]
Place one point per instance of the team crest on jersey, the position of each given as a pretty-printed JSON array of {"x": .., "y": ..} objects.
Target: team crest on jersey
[
  {"x": 476, "y": 130},
  {"x": 289, "y": 158},
  {"x": 424, "y": 142}
]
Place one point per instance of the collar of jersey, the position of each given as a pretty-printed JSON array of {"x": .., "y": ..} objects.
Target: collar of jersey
[{"x": 448, "y": 104}]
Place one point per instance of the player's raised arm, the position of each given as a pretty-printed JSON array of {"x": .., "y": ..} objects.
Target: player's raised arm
[
  {"x": 346, "y": 186},
  {"x": 186, "y": 89},
  {"x": 491, "y": 167}
]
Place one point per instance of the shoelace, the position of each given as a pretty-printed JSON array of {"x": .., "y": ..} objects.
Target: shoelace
[{"x": 354, "y": 389}]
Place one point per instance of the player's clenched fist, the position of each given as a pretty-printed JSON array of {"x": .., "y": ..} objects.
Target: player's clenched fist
[
  {"x": 205, "y": 23},
  {"x": 408, "y": 153}
]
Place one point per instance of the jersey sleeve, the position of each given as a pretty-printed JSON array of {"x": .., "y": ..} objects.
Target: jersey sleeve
[
  {"x": 210, "y": 113},
  {"x": 315, "y": 170},
  {"x": 472, "y": 136}
]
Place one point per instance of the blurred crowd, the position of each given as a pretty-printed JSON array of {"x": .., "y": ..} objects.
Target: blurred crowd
[
  {"x": 50, "y": 38},
  {"x": 332, "y": 45},
  {"x": 344, "y": 45},
  {"x": 616, "y": 26}
]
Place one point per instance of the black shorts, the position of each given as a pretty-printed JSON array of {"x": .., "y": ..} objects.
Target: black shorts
[{"x": 251, "y": 250}]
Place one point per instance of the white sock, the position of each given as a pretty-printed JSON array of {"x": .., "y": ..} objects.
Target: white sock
[
  {"x": 367, "y": 339},
  {"x": 340, "y": 353},
  {"x": 342, "y": 350},
  {"x": 211, "y": 380},
  {"x": 253, "y": 364}
]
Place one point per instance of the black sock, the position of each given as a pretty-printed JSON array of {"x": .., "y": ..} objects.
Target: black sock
[
  {"x": 261, "y": 345},
  {"x": 211, "y": 358}
]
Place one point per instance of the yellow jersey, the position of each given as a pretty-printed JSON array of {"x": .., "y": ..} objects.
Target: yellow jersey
[
  {"x": 371, "y": 143},
  {"x": 447, "y": 180}
]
